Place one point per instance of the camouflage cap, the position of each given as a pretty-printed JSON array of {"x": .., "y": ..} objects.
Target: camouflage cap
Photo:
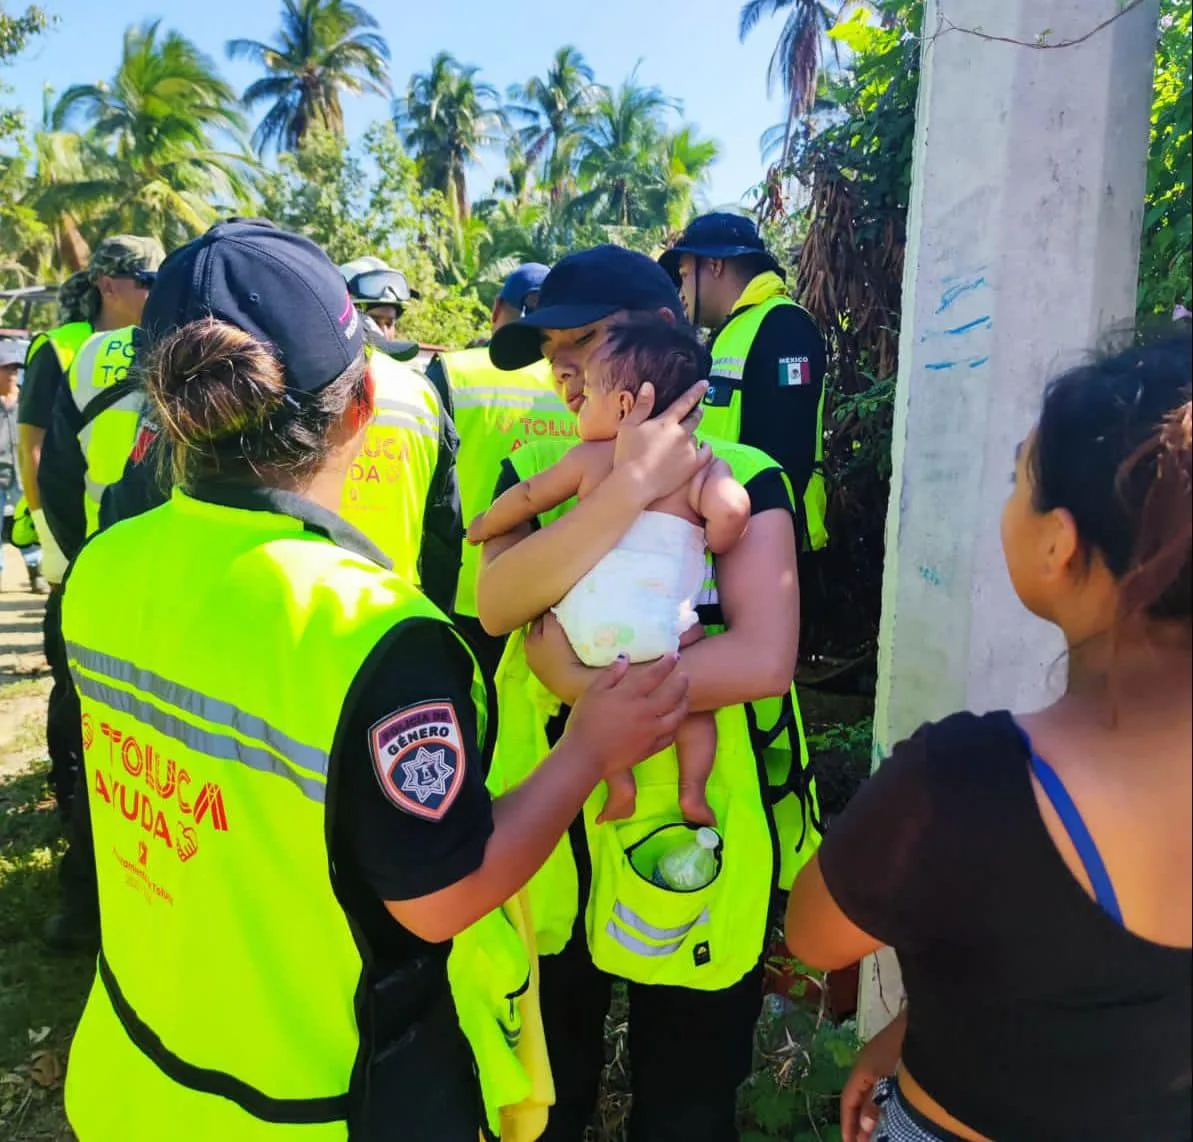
[
  {"x": 125, "y": 254},
  {"x": 74, "y": 304}
]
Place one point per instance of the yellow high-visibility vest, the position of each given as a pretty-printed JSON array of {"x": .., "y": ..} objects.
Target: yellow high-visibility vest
[
  {"x": 761, "y": 790},
  {"x": 495, "y": 414},
  {"x": 385, "y": 495},
  {"x": 106, "y": 439},
  {"x": 212, "y": 686}
]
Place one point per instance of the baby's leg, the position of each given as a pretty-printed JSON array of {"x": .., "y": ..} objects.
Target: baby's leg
[
  {"x": 621, "y": 799},
  {"x": 696, "y": 748}
]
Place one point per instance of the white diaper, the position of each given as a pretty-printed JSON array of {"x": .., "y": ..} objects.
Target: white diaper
[{"x": 641, "y": 597}]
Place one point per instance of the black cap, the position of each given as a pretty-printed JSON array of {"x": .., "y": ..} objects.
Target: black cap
[
  {"x": 717, "y": 235},
  {"x": 524, "y": 281},
  {"x": 583, "y": 288},
  {"x": 279, "y": 287}
]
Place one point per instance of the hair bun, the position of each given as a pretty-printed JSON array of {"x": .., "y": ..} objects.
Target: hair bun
[{"x": 211, "y": 380}]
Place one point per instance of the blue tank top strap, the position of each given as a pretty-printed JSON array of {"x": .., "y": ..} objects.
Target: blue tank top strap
[{"x": 1074, "y": 825}]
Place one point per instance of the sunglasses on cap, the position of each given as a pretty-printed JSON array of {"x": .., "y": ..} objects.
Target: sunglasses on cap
[
  {"x": 144, "y": 279},
  {"x": 381, "y": 287}
]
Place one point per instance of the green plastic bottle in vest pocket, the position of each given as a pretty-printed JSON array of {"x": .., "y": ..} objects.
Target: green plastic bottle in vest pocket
[{"x": 704, "y": 938}]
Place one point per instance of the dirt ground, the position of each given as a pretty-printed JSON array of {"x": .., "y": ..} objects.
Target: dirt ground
[
  {"x": 41, "y": 996},
  {"x": 23, "y": 672}
]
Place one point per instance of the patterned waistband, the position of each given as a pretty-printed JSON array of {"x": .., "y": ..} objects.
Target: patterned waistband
[{"x": 901, "y": 1122}]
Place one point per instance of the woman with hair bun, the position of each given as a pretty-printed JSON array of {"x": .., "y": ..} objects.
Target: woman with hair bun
[
  {"x": 1033, "y": 873},
  {"x": 286, "y": 749}
]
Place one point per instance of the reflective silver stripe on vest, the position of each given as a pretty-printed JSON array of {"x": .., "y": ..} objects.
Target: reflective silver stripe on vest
[
  {"x": 196, "y": 704},
  {"x": 732, "y": 368},
  {"x": 505, "y": 396},
  {"x": 674, "y": 937},
  {"x": 399, "y": 414},
  {"x": 632, "y": 920},
  {"x": 218, "y": 745}
]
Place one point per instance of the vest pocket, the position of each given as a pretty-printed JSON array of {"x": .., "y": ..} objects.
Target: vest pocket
[{"x": 640, "y": 929}]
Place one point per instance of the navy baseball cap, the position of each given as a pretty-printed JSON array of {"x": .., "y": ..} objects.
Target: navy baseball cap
[
  {"x": 524, "y": 281},
  {"x": 718, "y": 235},
  {"x": 279, "y": 287},
  {"x": 580, "y": 289}
]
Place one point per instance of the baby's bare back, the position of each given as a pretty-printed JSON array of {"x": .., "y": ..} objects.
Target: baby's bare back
[{"x": 596, "y": 462}]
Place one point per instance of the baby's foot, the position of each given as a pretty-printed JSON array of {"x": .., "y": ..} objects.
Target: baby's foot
[
  {"x": 695, "y": 807},
  {"x": 619, "y": 804}
]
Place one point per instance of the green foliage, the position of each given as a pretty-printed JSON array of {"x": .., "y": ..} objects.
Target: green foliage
[
  {"x": 368, "y": 200},
  {"x": 159, "y": 148},
  {"x": 447, "y": 116},
  {"x": 15, "y": 33},
  {"x": 1166, "y": 260},
  {"x": 803, "y": 1060},
  {"x": 150, "y": 162},
  {"x": 324, "y": 47},
  {"x": 856, "y": 738}
]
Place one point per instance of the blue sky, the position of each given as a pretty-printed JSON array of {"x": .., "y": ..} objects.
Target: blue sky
[{"x": 721, "y": 83}]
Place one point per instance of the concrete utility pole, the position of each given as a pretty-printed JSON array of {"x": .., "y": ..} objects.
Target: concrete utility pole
[{"x": 1022, "y": 253}]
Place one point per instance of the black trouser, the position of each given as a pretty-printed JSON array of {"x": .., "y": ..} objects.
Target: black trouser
[
  {"x": 689, "y": 1050},
  {"x": 64, "y": 731},
  {"x": 64, "y": 741}
]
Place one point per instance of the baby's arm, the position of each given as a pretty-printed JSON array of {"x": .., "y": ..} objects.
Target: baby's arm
[
  {"x": 521, "y": 503},
  {"x": 723, "y": 504}
]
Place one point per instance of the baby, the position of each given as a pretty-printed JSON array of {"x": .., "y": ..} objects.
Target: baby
[{"x": 640, "y": 599}]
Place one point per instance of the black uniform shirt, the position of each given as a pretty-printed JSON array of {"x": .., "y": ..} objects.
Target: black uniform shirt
[
  {"x": 779, "y": 396},
  {"x": 39, "y": 390}
]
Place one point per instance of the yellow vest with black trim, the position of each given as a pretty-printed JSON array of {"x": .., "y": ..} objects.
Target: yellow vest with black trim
[
  {"x": 225, "y": 1003},
  {"x": 385, "y": 496},
  {"x": 66, "y": 341},
  {"x": 495, "y": 413},
  {"x": 106, "y": 439},
  {"x": 722, "y": 406},
  {"x": 760, "y": 789}
]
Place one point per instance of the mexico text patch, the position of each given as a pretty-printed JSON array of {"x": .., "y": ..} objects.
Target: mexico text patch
[
  {"x": 794, "y": 371},
  {"x": 418, "y": 756}
]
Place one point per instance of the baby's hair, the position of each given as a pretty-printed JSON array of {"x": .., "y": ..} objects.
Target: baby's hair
[
  {"x": 649, "y": 348},
  {"x": 221, "y": 398}
]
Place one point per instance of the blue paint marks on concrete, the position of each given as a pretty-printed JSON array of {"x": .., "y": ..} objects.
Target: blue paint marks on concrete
[
  {"x": 951, "y": 294},
  {"x": 970, "y": 362},
  {"x": 977, "y": 322},
  {"x": 931, "y": 576}
]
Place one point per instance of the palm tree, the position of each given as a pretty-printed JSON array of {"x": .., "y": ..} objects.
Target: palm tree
[
  {"x": 796, "y": 60},
  {"x": 686, "y": 161},
  {"x": 446, "y": 118},
  {"x": 324, "y": 47},
  {"x": 619, "y": 155},
  {"x": 518, "y": 183},
  {"x": 147, "y": 158},
  {"x": 550, "y": 113}
]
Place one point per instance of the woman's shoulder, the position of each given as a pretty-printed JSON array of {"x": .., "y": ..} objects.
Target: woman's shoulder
[{"x": 958, "y": 755}]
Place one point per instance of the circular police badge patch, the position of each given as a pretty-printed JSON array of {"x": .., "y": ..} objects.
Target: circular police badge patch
[{"x": 418, "y": 756}]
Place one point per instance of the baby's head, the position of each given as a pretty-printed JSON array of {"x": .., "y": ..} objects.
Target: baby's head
[{"x": 637, "y": 350}]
